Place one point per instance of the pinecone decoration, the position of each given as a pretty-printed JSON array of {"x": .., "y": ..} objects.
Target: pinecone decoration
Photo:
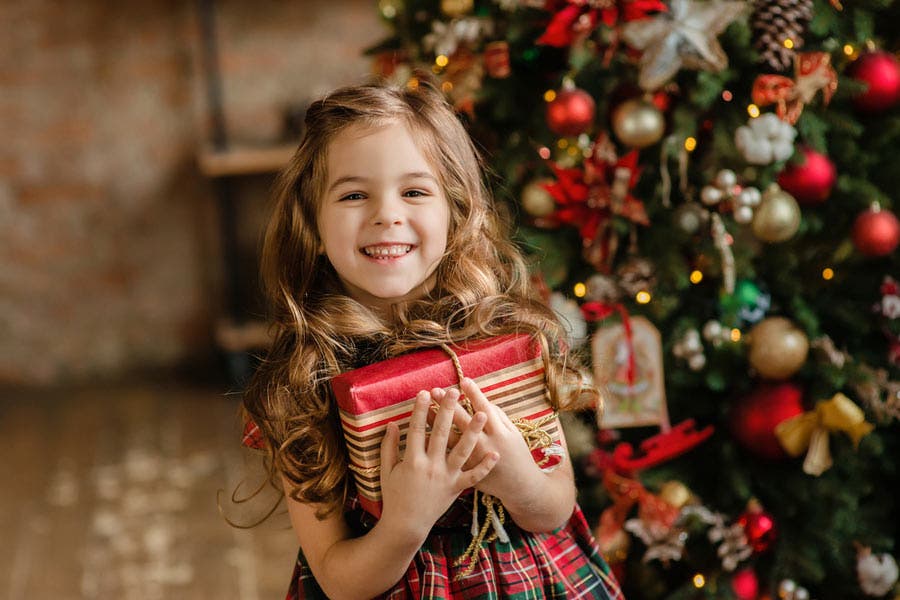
[{"x": 774, "y": 22}]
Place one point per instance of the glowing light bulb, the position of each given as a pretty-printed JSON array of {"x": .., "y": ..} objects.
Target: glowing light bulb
[
  {"x": 549, "y": 95},
  {"x": 690, "y": 143},
  {"x": 580, "y": 290},
  {"x": 827, "y": 274},
  {"x": 735, "y": 335},
  {"x": 699, "y": 581},
  {"x": 696, "y": 276},
  {"x": 753, "y": 110},
  {"x": 441, "y": 60},
  {"x": 643, "y": 297}
]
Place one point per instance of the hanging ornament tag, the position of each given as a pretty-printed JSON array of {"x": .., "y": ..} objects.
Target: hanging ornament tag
[{"x": 630, "y": 374}]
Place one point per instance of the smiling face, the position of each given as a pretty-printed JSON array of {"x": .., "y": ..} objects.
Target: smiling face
[{"x": 383, "y": 218}]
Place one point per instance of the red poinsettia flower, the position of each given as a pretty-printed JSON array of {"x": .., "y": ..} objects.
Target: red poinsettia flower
[
  {"x": 587, "y": 197},
  {"x": 579, "y": 18}
]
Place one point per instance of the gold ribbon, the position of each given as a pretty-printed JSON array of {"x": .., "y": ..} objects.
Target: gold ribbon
[{"x": 810, "y": 430}]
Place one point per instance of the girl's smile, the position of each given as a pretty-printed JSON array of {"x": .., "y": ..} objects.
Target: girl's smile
[{"x": 383, "y": 220}]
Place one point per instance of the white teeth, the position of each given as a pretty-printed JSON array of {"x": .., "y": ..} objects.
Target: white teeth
[{"x": 387, "y": 251}]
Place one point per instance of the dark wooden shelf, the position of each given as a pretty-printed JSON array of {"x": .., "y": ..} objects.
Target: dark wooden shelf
[{"x": 246, "y": 160}]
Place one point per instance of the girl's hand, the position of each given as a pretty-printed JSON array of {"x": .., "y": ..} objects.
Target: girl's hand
[
  {"x": 500, "y": 436},
  {"x": 421, "y": 487}
]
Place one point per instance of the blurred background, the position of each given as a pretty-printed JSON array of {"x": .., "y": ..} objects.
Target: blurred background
[
  {"x": 140, "y": 140},
  {"x": 707, "y": 193}
]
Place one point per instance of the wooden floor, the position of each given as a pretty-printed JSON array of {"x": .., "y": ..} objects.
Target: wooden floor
[{"x": 111, "y": 493}]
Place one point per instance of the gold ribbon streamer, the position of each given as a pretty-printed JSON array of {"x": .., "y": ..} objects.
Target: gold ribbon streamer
[{"x": 809, "y": 431}]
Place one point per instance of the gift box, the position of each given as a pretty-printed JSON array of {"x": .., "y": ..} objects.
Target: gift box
[{"x": 508, "y": 369}]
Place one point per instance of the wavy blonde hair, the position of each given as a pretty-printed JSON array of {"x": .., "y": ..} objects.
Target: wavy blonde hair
[{"x": 482, "y": 289}]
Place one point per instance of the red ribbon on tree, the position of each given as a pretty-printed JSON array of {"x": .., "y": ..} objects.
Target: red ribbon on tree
[
  {"x": 813, "y": 72},
  {"x": 597, "y": 311}
]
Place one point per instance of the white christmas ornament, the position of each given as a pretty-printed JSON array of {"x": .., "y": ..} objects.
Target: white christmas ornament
[
  {"x": 445, "y": 38},
  {"x": 765, "y": 139},
  {"x": 877, "y": 572}
]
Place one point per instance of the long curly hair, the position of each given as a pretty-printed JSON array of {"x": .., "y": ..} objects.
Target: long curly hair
[{"x": 482, "y": 289}]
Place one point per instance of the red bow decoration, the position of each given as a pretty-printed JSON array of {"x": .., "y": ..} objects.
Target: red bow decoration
[
  {"x": 589, "y": 197},
  {"x": 625, "y": 493},
  {"x": 578, "y": 18},
  {"x": 813, "y": 72}
]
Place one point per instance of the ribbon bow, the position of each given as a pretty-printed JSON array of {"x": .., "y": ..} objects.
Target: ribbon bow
[
  {"x": 810, "y": 430},
  {"x": 813, "y": 72}
]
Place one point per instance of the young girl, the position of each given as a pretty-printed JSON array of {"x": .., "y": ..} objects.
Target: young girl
[{"x": 383, "y": 241}]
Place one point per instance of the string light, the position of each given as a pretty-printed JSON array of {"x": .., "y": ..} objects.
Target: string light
[
  {"x": 544, "y": 152},
  {"x": 580, "y": 290},
  {"x": 696, "y": 276},
  {"x": 753, "y": 110},
  {"x": 690, "y": 143},
  {"x": 441, "y": 60},
  {"x": 549, "y": 95},
  {"x": 727, "y": 96},
  {"x": 446, "y": 86},
  {"x": 573, "y": 150},
  {"x": 562, "y": 143},
  {"x": 642, "y": 297},
  {"x": 788, "y": 43},
  {"x": 735, "y": 335},
  {"x": 699, "y": 580},
  {"x": 827, "y": 274}
]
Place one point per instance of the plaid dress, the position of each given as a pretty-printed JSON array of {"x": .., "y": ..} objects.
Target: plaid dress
[{"x": 565, "y": 563}]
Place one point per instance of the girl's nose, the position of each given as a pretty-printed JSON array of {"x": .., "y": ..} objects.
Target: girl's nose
[{"x": 387, "y": 212}]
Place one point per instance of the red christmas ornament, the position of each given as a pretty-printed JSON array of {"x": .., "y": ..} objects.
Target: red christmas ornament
[
  {"x": 571, "y": 112},
  {"x": 753, "y": 418},
  {"x": 881, "y": 71},
  {"x": 876, "y": 232},
  {"x": 759, "y": 527},
  {"x": 745, "y": 584},
  {"x": 811, "y": 181}
]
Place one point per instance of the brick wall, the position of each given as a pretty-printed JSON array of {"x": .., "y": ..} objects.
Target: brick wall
[{"x": 108, "y": 243}]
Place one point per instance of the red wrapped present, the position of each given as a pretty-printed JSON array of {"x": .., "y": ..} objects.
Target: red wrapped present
[{"x": 509, "y": 370}]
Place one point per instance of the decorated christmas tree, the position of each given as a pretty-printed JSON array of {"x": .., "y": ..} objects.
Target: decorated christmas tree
[{"x": 707, "y": 189}]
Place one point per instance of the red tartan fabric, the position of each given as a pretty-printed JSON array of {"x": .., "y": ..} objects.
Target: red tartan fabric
[{"x": 562, "y": 564}]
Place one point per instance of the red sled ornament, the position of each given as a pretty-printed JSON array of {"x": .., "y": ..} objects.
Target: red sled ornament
[{"x": 510, "y": 370}]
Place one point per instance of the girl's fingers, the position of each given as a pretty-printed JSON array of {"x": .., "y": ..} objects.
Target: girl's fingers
[
  {"x": 480, "y": 403},
  {"x": 418, "y": 424},
  {"x": 467, "y": 442},
  {"x": 474, "y": 475},
  {"x": 496, "y": 416},
  {"x": 440, "y": 430},
  {"x": 390, "y": 450}
]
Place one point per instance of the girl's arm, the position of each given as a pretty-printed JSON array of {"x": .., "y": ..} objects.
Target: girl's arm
[
  {"x": 536, "y": 500},
  {"x": 415, "y": 492}
]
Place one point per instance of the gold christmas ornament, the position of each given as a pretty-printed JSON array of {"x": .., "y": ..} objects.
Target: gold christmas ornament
[
  {"x": 536, "y": 200},
  {"x": 638, "y": 123},
  {"x": 778, "y": 216},
  {"x": 778, "y": 348},
  {"x": 457, "y": 8},
  {"x": 675, "y": 493},
  {"x": 614, "y": 547}
]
